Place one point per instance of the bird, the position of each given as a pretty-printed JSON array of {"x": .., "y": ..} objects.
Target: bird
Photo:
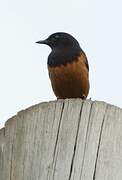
[{"x": 68, "y": 66}]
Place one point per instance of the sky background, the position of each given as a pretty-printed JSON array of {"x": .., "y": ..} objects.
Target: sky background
[{"x": 24, "y": 80}]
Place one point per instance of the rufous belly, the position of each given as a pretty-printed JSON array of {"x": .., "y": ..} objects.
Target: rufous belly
[{"x": 70, "y": 80}]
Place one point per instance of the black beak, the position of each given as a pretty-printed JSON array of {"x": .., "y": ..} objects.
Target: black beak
[{"x": 43, "y": 42}]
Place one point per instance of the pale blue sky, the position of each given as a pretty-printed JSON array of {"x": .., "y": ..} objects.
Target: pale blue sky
[{"x": 97, "y": 25}]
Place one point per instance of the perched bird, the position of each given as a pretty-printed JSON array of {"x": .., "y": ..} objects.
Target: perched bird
[{"x": 68, "y": 66}]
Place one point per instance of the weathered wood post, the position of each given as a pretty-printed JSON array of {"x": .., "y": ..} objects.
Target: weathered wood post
[{"x": 63, "y": 140}]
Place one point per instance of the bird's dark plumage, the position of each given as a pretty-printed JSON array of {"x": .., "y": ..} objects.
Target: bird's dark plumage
[{"x": 68, "y": 66}]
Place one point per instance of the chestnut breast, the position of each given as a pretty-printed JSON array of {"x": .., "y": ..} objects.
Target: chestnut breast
[{"x": 70, "y": 80}]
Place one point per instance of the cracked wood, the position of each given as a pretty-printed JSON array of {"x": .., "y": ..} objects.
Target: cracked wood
[{"x": 63, "y": 140}]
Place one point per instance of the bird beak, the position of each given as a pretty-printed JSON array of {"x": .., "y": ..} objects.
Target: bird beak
[{"x": 43, "y": 42}]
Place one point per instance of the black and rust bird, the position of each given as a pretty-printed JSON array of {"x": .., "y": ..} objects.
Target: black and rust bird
[{"x": 68, "y": 66}]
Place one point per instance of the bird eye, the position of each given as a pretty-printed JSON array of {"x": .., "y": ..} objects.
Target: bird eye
[{"x": 56, "y": 36}]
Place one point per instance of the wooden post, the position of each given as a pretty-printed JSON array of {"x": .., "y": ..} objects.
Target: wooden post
[{"x": 63, "y": 140}]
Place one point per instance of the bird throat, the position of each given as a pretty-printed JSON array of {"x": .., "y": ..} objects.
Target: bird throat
[{"x": 63, "y": 56}]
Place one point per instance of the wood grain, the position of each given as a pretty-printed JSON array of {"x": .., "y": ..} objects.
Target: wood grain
[{"x": 63, "y": 140}]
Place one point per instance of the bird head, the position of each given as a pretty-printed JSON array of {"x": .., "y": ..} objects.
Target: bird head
[{"x": 60, "y": 40}]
